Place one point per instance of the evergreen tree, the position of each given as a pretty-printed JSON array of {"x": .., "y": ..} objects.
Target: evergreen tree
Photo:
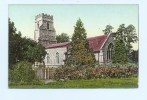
[
  {"x": 80, "y": 53},
  {"x": 119, "y": 54}
]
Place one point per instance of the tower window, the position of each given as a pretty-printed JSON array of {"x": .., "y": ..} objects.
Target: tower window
[
  {"x": 57, "y": 58},
  {"x": 47, "y": 25}
]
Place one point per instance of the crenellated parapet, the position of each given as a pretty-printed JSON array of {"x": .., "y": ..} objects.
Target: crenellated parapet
[{"x": 44, "y": 16}]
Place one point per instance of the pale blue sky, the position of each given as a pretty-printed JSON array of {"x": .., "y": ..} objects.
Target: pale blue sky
[{"x": 94, "y": 17}]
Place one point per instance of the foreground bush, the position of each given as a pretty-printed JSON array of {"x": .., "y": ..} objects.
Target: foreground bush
[
  {"x": 67, "y": 73},
  {"x": 22, "y": 72}
]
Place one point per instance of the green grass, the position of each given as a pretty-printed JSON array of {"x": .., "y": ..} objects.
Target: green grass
[{"x": 131, "y": 82}]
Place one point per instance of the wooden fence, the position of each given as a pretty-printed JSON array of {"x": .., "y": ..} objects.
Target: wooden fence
[{"x": 44, "y": 74}]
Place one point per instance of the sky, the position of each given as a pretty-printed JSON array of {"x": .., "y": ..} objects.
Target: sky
[{"x": 95, "y": 17}]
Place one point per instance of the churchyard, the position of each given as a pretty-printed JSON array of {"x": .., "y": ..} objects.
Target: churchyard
[
  {"x": 114, "y": 76},
  {"x": 50, "y": 61}
]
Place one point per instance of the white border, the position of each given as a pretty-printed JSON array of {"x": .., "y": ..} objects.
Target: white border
[{"x": 73, "y": 94}]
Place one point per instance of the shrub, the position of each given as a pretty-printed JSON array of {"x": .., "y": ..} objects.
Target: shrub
[
  {"x": 22, "y": 72},
  {"x": 67, "y": 73}
]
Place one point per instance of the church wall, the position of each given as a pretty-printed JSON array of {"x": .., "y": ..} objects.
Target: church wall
[
  {"x": 105, "y": 48},
  {"x": 53, "y": 58},
  {"x": 101, "y": 59},
  {"x": 96, "y": 56}
]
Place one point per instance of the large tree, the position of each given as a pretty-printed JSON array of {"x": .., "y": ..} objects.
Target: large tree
[
  {"x": 22, "y": 48},
  {"x": 80, "y": 53},
  {"x": 119, "y": 54},
  {"x": 63, "y": 37},
  {"x": 14, "y": 44},
  {"x": 128, "y": 35},
  {"x": 108, "y": 29},
  {"x": 33, "y": 51}
]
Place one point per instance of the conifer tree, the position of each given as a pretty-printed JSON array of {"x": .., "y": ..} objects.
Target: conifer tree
[
  {"x": 80, "y": 53},
  {"x": 119, "y": 54}
]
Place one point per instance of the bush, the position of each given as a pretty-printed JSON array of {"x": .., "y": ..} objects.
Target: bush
[
  {"x": 72, "y": 73},
  {"x": 22, "y": 72}
]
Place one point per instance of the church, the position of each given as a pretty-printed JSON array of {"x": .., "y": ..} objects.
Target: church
[{"x": 45, "y": 34}]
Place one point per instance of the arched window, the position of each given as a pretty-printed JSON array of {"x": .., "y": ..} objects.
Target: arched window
[
  {"x": 48, "y": 58},
  {"x": 109, "y": 51},
  {"x": 38, "y": 24},
  {"x": 47, "y": 25},
  {"x": 57, "y": 58}
]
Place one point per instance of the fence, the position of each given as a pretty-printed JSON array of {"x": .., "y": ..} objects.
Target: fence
[{"x": 44, "y": 74}]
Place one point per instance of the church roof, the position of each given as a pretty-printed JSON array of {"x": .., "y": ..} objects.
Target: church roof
[
  {"x": 57, "y": 45},
  {"x": 95, "y": 43}
]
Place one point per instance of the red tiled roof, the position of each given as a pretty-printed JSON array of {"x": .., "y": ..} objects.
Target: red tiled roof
[
  {"x": 95, "y": 43},
  {"x": 57, "y": 45}
]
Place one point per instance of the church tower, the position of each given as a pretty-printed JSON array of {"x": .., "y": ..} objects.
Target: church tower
[{"x": 44, "y": 29}]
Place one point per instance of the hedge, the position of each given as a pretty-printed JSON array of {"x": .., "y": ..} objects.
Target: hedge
[{"x": 72, "y": 73}]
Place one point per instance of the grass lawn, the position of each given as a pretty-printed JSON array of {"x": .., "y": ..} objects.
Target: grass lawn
[{"x": 131, "y": 82}]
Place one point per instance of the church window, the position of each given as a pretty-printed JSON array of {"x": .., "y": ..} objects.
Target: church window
[
  {"x": 48, "y": 58},
  {"x": 38, "y": 25},
  {"x": 47, "y": 25},
  {"x": 109, "y": 51},
  {"x": 57, "y": 58}
]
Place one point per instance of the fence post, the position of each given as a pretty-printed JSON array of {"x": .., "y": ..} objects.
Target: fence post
[{"x": 45, "y": 74}]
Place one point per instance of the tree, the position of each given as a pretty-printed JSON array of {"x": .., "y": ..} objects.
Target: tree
[
  {"x": 22, "y": 48},
  {"x": 128, "y": 35},
  {"x": 80, "y": 53},
  {"x": 35, "y": 53},
  {"x": 63, "y": 37},
  {"x": 134, "y": 56},
  {"x": 14, "y": 44},
  {"x": 108, "y": 29},
  {"x": 119, "y": 54}
]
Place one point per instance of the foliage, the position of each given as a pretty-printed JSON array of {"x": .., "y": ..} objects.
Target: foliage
[
  {"x": 14, "y": 41},
  {"x": 134, "y": 56},
  {"x": 108, "y": 29},
  {"x": 34, "y": 52},
  {"x": 63, "y": 37},
  {"x": 67, "y": 73},
  {"x": 79, "y": 52},
  {"x": 128, "y": 35},
  {"x": 22, "y": 48},
  {"x": 130, "y": 82},
  {"x": 22, "y": 72},
  {"x": 119, "y": 53}
]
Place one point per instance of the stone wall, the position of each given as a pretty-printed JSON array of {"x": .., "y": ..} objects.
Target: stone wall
[{"x": 44, "y": 29}]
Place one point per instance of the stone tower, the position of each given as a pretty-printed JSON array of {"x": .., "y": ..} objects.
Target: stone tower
[{"x": 44, "y": 29}]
